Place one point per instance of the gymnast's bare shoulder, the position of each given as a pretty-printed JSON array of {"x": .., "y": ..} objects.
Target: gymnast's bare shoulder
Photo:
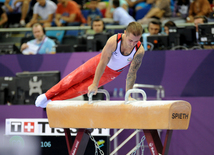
[
  {"x": 111, "y": 44},
  {"x": 141, "y": 50}
]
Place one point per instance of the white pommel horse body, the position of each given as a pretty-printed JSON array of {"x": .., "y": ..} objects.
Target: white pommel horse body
[{"x": 147, "y": 115}]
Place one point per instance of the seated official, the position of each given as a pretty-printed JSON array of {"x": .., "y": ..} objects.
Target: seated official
[
  {"x": 97, "y": 26},
  {"x": 167, "y": 25},
  {"x": 154, "y": 28},
  {"x": 41, "y": 44},
  {"x": 200, "y": 20},
  {"x": 88, "y": 42}
]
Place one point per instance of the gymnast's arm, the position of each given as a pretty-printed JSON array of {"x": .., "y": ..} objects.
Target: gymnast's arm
[
  {"x": 106, "y": 55},
  {"x": 135, "y": 65}
]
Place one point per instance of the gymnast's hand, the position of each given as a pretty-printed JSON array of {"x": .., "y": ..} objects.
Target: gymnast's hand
[{"x": 92, "y": 89}]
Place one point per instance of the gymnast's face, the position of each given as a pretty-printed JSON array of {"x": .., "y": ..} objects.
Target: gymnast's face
[{"x": 131, "y": 40}]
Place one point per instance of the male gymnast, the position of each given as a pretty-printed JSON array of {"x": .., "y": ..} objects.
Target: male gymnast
[{"x": 119, "y": 51}]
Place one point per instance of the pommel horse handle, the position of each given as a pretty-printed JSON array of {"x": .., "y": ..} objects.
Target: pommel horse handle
[
  {"x": 99, "y": 91},
  {"x": 135, "y": 91}
]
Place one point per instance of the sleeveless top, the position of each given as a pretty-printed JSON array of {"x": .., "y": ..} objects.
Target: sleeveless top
[{"x": 118, "y": 61}]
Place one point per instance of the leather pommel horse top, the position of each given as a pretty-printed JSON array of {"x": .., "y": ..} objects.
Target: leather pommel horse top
[{"x": 169, "y": 114}]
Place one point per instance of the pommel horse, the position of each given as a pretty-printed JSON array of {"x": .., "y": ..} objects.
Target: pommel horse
[{"x": 147, "y": 115}]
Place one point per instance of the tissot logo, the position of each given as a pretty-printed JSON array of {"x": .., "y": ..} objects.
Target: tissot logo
[
  {"x": 28, "y": 126},
  {"x": 40, "y": 127},
  {"x": 16, "y": 126}
]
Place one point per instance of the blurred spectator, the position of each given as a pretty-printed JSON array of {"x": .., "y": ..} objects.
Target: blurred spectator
[
  {"x": 101, "y": 5},
  {"x": 154, "y": 27},
  {"x": 199, "y": 20},
  {"x": 41, "y": 44},
  {"x": 110, "y": 9},
  {"x": 198, "y": 8},
  {"x": 17, "y": 10},
  {"x": 43, "y": 12},
  {"x": 80, "y": 3},
  {"x": 97, "y": 28},
  {"x": 3, "y": 18},
  {"x": 68, "y": 13},
  {"x": 167, "y": 25},
  {"x": 94, "y": 12},
  {"x": 120, "y": 15},
  {"x": 160, "y": 10},
  {"x": 181, "y": 8},
  {"x": 138, "y": 4},
  {"x": 212, "y": 10},
  {"x": 212, "y": 6}
]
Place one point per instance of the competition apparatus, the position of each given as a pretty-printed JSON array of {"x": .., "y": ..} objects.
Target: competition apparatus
[{"x": 148, "y": 116}]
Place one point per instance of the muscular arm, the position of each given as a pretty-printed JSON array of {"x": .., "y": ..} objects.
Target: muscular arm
[
  {"x": 135, "y": 65},
  {"x": 106, "y": 55}
]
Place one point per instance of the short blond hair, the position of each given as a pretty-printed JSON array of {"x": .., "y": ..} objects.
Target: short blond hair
[{"x": 135, "y": 28}]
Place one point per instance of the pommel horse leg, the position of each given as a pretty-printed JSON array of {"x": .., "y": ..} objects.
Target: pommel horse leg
[
  {"x": 155, "y": 144},
  {"x": 80, "y": 142}
]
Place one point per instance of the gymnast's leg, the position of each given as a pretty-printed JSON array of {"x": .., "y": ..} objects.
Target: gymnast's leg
[
  {"x": 77, "y": 76},
  {"x": 81, "y": 88}
]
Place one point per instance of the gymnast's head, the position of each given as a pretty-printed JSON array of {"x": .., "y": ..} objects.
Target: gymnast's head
[{"x": 133, "y": 33}]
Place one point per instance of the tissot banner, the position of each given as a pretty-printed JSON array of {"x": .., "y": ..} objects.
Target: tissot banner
[{"x": 40, "y": 127}]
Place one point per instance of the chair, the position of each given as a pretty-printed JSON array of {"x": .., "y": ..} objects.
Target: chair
[
  {"x": 71, "y": 40},
  {"x": 72, "y": 32},
  {"x": 63, "y": 48},
  {"x": 56, "y": 33},
  {"x": 54, "y": 39}
]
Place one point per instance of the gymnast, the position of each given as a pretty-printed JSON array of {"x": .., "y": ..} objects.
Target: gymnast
[{"x": 119, "y": 51}]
